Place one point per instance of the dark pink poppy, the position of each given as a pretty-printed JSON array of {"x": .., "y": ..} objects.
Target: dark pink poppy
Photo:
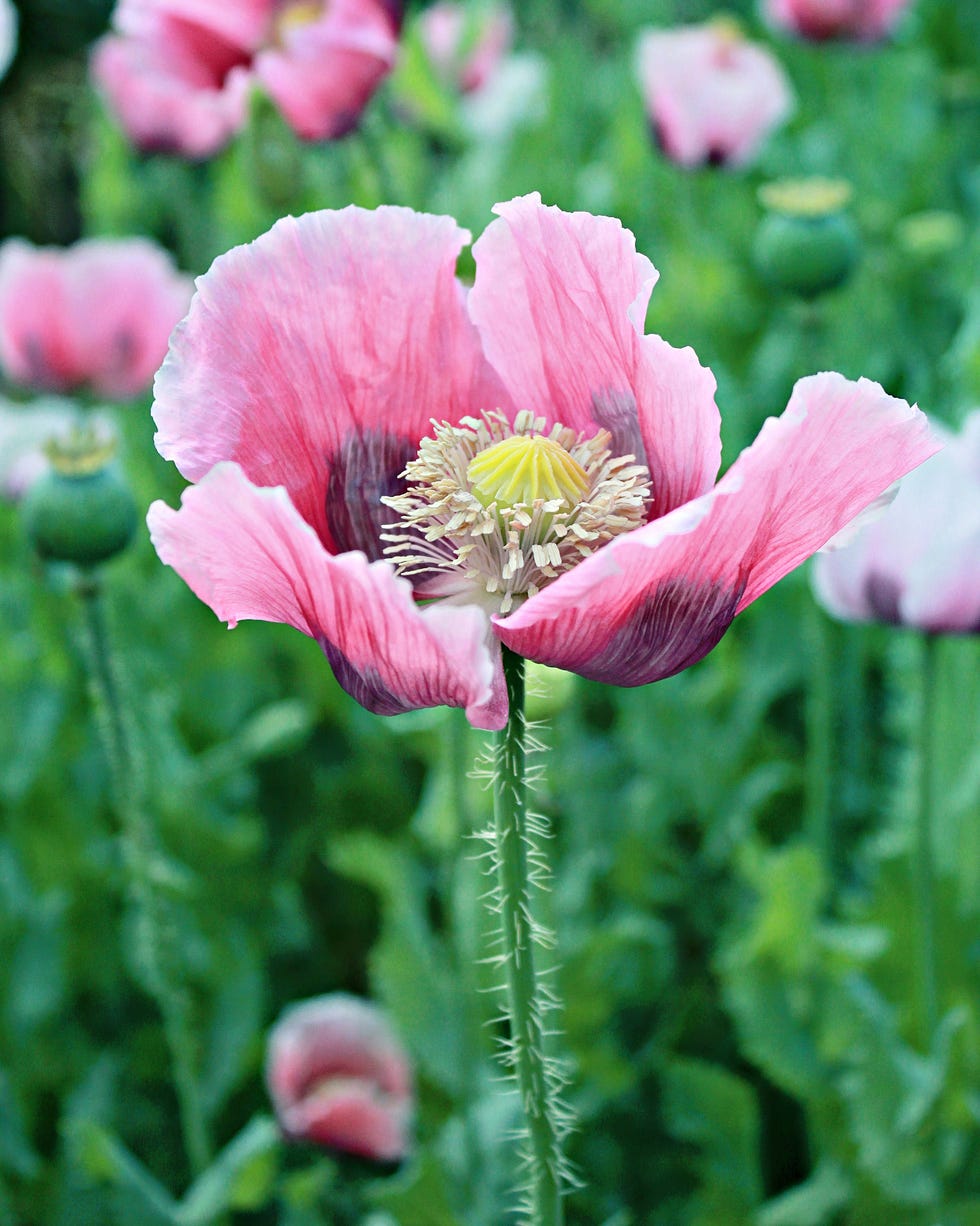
[
  {"x": 850, "y": 20},
  {"x": 918, "y": 564},
  {"x": 177, "y": 72},
  {"x": 711, "y": 95},
  {"x": 339, "y": 1078},
  {"x": 557, "y": 464},
  {"x": 465, "y": 46},
  {"x": 95, "y": 316}
]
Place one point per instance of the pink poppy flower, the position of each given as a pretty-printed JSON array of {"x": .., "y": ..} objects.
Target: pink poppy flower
[
  {"x": 559, "y": 495},
  {"x": 339, "y": 1078},
  {"x": 711, "y": 95},
  {"x": 94, "y": 316},
  {"x": 465, "y": 47},
  {"x": 819, "y": 20},
  {"x": 177, "y": 72},
  {"x": 918, "y": 564}
]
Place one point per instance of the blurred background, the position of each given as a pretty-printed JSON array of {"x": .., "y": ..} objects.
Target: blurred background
[{"x": 738, "y": 880}]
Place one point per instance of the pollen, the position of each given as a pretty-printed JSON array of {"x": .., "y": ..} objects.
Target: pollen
[
  {"x": 524, "y": 468},
  {"x": 494, "y": 511}
]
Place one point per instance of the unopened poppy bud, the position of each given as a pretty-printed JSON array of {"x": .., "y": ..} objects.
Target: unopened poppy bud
[
  {"x": 807, "y": 244},
  {"x": 81, "y": 510},
  {"x": 338, "y": 1077}
]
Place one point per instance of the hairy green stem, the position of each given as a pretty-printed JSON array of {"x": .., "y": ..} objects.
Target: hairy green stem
[
  {"x": 526, "y": 1001},
  {"x": 157, "y": 948}
]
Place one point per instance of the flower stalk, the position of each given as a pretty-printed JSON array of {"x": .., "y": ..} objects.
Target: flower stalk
[
  {"x": 518, "y": 865},
  {"x": 923, "y": 858},
  {"x": 158, "y": 958}
]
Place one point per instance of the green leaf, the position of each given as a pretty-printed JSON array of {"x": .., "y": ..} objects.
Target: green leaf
[
  {"x": 241, "y": 1177},
  {"x": 105, "y": 1160},
  {"x": 813, "y": 1203}
]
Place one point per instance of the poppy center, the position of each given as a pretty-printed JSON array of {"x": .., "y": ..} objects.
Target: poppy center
[
  {"x": 524, "y": 468},
  {"x": 495, "y": 511},
  {"x": 292, "y": 16}
]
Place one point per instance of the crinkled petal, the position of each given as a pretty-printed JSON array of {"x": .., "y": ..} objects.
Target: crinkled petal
[
  {"x": 560, "y": 300},
  {"x": 656, "y": 600},
  {"x": 325, "y": 72},
  {"x": 315, "y": 358},
  {"x": 247, "y": 554}
]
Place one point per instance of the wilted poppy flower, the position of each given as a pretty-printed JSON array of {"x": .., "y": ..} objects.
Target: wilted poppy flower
[
  {"x": 177, "y": 72},
  {"x": 94, "y": 316},
  {"x": 558, "y": 464},
  {"x": 8, "y": 34},
  {"x": 465, "y": 45},
  {"x": 919, "y": 563},
  {"x": 818, "y": 20},
  {"x": 711, "y": 95},
  {"x": 338, "y": 1077}
]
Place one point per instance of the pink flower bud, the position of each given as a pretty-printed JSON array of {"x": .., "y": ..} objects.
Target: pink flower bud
[{"x": 339, "y": 1078}]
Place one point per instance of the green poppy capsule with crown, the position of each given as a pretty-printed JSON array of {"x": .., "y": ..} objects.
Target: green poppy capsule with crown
[
  {"x": 81, "y": 510},
  {"x": 807, "y": 243}
]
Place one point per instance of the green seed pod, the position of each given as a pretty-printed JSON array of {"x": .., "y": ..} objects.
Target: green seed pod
[
  {"x": 81, "y": 510},
  {"x": 806, "y": 244}
]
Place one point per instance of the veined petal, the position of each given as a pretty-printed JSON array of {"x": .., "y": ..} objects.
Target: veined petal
[
  {"x": 560, "y": 300},
  {"x": 658, "y": 599},
  {"x": 315, "y": 358},
  {"x": 247, "y": 554}
]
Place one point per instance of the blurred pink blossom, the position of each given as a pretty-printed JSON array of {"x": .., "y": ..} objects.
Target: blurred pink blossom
[
  {"x": 338, "y": 1077},
  {"x": 711, "y": 95},
  {"x": 314, "y": 360},
  {"x": 818, "y": 20},
  {"x": 95, "y": 316},
  {"x": 465, "y": 45},
  {"x": 918, "y": 564},
  {"x": 177, "y": 72}
]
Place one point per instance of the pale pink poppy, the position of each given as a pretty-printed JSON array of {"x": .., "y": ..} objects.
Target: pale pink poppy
[
  {"x": 918, "y": 564},
  {"x": 338, "y": 1077},
  {"x": 465, "y": 45},
  {"x": 314, "y": 360},
  {"x": 95, "y": 316},
  {"x": 177, "y": 72},
  {"x": 711, "y": 95},
  {"x": 819, "y": 20}
]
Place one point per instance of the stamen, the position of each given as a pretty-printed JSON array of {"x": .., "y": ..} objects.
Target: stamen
[{"x": 494, "y": 512}]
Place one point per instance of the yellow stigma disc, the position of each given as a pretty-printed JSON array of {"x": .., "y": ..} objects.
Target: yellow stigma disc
[
  {"x": 523, "y": 469},
  {"x": 302, "y": 13}
]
